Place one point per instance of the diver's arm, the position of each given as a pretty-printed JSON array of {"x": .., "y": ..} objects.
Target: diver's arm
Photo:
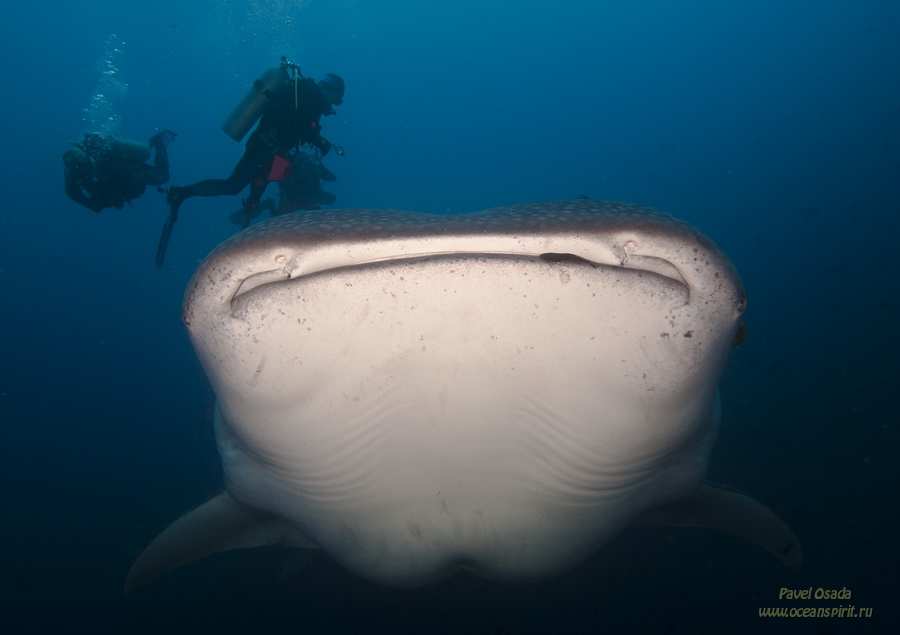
[
  {"x": 74, "y": 192},
  {"x": 325, "y": 174},
  {"x": 322, "y": 144}
]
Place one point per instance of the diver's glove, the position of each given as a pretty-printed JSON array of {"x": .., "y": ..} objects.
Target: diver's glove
[{"x": 163, "y": 137}]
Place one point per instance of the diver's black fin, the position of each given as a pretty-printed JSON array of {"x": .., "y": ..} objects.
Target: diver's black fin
[{"x": 164, "y": 237}]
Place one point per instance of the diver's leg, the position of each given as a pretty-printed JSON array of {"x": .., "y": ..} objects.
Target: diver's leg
[
  {"x": 241, "y": 176},
  {"x": 251, "y": 203},
  {"x": 256, "y": 156}
]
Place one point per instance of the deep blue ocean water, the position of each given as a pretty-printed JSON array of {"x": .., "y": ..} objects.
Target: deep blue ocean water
[{"x": 774, "y": 126}]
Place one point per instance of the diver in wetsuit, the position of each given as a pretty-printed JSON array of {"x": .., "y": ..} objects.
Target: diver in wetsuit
[
  {"x": 104, "y": 171},
  {"x": 289, "y": 107},
  {"x": 301, "y": 189}
]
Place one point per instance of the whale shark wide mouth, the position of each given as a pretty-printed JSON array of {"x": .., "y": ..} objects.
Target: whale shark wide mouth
[
  {"x": 565, "y": 233},
  {"x": 646, "y": 264}
]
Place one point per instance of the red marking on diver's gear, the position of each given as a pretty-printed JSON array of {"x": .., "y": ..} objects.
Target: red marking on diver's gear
[{"x": 279, "y": 169}]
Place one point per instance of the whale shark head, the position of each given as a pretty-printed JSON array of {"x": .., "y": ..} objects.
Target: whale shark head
[{"x": 500, "y": 392}]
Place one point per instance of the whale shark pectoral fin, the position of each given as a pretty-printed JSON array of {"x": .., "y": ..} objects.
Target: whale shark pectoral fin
[
  {"x": 220, "y": 524},
  {"x": 714, "y": 507}
]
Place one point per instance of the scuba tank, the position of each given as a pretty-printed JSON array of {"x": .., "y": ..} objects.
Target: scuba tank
[
  {"x": 263, "y": 92},
  {"x": 108, "y": 148},
  {"x": 131, "y": 151}
]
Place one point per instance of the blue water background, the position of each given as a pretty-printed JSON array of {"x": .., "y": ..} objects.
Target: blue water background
[{"x": 774, "y": 126}]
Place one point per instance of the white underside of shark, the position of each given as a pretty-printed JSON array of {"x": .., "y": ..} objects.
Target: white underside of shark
[{"x": 500, "y": 392}]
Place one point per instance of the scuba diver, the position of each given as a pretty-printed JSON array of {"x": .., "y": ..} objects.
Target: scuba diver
[
  {"x": 288, "y": 107},
  {"x": 300, "y": 189},
  {"x": 104, "y": 171}
]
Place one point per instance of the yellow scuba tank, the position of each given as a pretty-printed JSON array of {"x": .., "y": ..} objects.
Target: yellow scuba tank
[{"x": 251, "y": 107}]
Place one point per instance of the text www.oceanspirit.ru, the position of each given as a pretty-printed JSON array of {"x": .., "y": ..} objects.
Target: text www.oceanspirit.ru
[{"x": 819, "y": 611}]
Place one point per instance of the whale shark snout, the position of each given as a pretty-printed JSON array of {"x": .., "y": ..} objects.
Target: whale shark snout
[{"x": 500, "y": 392}]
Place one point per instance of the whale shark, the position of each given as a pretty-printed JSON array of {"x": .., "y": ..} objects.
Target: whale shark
[{"x": 498, "y": 392}]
